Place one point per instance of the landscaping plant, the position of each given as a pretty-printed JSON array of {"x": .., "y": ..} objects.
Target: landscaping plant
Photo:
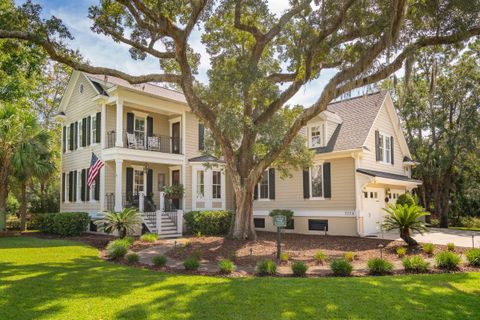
[
  {"x": 159, "y": 260},
  {"x": 320, "y": 257},
  {"x": 415, "y": 264},
  {"x": 191, "y": 263},
  {"x": 341, "y": 267},
  {"x": 451, "y": 246},
  {"x": 299, "y": 268},
  {"x": 62, "y": 223},
  {"x": 208, "y": 222},
  {"x": 126, "y": 221},
  {"x": 349, "y": 256},
  {"x": 428, "y": 248},
  {"x": 266, "y": 267},
  {"x": 226, "y": 266},
  {"x": 149, "y": 237},
  {"x": 132, "y": 258},
  {"x": 401, "y": 252},
  {"x": 284, "y": 257},
  {"x": 447, "y": 260},
  {"x": 473, "y": 257},
  {"x": 117, "y": 249},
  {"x": 378, "y": 266},
  {"x": 406, "y": 219}
]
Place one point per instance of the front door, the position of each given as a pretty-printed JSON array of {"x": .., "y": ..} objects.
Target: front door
[
  {"x": 373, "y": 204},
  {"x": 176, "y": 137},
  {"x": 176, "y": 182}
]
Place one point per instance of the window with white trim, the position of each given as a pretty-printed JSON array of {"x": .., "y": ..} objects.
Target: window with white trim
[
  {"x": 263, "y": 186},
  {"x": 216, "y": 185},
  {"x": 316, "y": 181},
  {"x": 139, "y": 128},
  {"x": 80, "y": 133},
  {"x": 67, "y": 140},
  {"x": 316, "y": 135},
  {"x": 138, "y": 181},
  {"x": 200, "y": 184},
  {"x": 385, "y": 147},
  {"x": 94, "y": 129}
]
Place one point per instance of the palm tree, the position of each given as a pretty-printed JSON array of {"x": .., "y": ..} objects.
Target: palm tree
[
  {"x": 405, "y": 218},
  {"x": 126, "y": 221}
]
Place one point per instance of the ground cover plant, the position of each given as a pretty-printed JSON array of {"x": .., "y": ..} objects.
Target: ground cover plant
[
  {"x": 447, "y": 260},
  {"x": 415, "y": 264},
  {"x": 149, "y": 237}
]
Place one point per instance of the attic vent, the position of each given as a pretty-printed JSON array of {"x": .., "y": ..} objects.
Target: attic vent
[{"x": 81, "y": 88}]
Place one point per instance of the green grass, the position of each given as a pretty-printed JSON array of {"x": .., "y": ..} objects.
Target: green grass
[{"x": 54, "y": 279}]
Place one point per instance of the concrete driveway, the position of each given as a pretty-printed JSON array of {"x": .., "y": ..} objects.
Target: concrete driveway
[{"x": 461, "y": 238}]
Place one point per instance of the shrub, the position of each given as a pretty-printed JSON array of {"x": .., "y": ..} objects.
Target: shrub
[
  {"x": 159, "y": 260},
  {"x": 214, "y": 222},
  {"x": 226, "y": 266},
  {"x": 447, "y": 260},
  {"x": 117, "y": 248},
  {"x": 130, "y": 240},
  {"x": 406, "y": 219},
  {"x": 406, "y": 199},
  {"x": 299, "y": 268},
  {"x": 341, "y": 267},
  {"x": 149, "y": 237},
  {"x": 126, "y": 221},
  {"x": 187, "y": 243},
  {"x": 62, "y": 223},
  {"x": 266, "y": 267},
  {"x": 132, "y": 258},
  {"x": 349, "y": 256},
  {"x": 428, "y": 248},
  {"x": 401, "y": 252},
  {"x": 451, "y": 246},
  {"x": 320, "y": 257},
  {"x": 379, "y": 266},
  {"x": 473, "y": 257},
  {"x": 191, "y": 263},
  {"x": 284, "y": 257},
  {"x": 415, "y": 264}
]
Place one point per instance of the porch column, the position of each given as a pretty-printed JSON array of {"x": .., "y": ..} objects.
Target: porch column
[
  {"x": 118, "y": 184},
  {"x": 119, "y": 126},
  {"x": 102, "y": 187},
  {"x": 103, "y": 126}
]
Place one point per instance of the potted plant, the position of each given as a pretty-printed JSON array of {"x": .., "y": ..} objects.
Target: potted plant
[{"x": 174, "y": 192}]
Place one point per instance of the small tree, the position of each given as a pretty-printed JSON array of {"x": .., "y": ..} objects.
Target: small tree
[
  {"x": 126, "y": 221},
  {"x": 405, "y": 218}
]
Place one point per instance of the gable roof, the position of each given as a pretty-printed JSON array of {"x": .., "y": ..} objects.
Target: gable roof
[{"x": 358, "y": 115}]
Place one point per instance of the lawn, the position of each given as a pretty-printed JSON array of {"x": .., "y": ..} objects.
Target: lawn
[{"x": 53, "y": 279}]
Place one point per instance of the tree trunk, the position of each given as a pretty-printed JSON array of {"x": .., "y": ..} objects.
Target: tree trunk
[
  {"x": 3, "y": 193},
  {"x": 405, "y": 235},
  {"x": 242, "y": 222},
  {"x": 23, "y": 207},
  {"x": 42, "y": 196}
]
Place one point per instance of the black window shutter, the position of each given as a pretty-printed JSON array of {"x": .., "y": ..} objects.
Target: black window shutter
[
  {"x": 306, "y": 184},
  {"x": 129, "y": 186},
  {"x": 64, "y": 139},
  {"x": 99, "y": 127},
  {"x": 201, "y": 136},
  {"x": 76, "y": 135},
  {"x": 391, "y": 148},
  {"x": 255, "y": 192},
  {"x": 271, "y": 182},
  {"x": 89, "y": 129},
  {"x": 97, "y": 187},
  {"x": 149, "y": 127},
  {"x": 63, "y": 185},
  {"x": 83, "y": 180},
  {"x": 71, "y": 145},
  {"x": 377, "y": 146},
  {"x": 70, "y": 186},
  {"x": 84, "y": 132},
  {"x": 130, "y": 120},
  {"x": 327, "y": 181},
  {"x": 75, "y": 182},
  {"x": 87, "y": 187},
  {"x": 149, "y": 182}
]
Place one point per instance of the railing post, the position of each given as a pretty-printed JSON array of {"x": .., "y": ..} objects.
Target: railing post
[
  {"x": 180, "y": 221},
  {"x": 159, "y": 221},
  {"x": 141, "y": 201},
  {"x": 162, "y": 201}
]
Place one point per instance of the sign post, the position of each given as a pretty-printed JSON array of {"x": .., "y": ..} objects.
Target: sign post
[{"x": 279, "y": 221}]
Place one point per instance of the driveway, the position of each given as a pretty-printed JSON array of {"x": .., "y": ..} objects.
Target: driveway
[{"x": 461, "y": 238}]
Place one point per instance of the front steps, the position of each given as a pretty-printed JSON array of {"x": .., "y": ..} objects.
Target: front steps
[{"x": 168, "y": 229}]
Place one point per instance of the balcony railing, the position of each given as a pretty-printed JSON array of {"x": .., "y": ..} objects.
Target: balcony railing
[
  {"x": 158, "y": 143},
  {"x": 131, "y": 200}
]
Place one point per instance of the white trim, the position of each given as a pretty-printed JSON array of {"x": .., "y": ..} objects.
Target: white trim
[
  {"x": 207, "y": 199},
  {"x": 347, "y": 213},
  {"x": 268, "y": 187},
  {"x": 142, "y": 156},
  {"x": 92, "y": 140},
  {"x": 385, "y": 136},
  {"x": 139, "y": 114},
  {"x": 323, "y": 133},
  {"x": 318, "y": 163}
]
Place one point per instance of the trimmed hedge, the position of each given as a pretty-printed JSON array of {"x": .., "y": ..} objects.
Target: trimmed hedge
[
  {"x": 62, "y": 223},
  {"x": 208, "y": 222}
]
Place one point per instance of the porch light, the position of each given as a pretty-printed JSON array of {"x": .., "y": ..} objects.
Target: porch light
[
  {"x": 146, "y": 167},
  {"x": 380, "y": 246}
]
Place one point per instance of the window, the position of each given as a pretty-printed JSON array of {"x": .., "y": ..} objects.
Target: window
[
  {"x": 316, "y": 180},
  {"x": 67, "y": 141},
  {"x": 138, "y": 181},
  {"x": 216, "y": 185},
  {"x": 290, "y": 224},
  {"x": 139, "y": 128},
  {"x": 80, "y": 89},
  {"x": 388, "y": 150},
  {"x": 317, "y": 225},
  {"x": 263, "y": 186},
  {"x": 316, "y": 136},
  {"x": 161, "y": 181},
  {"x": 385, "y": 148},
  {"x": 259, "y": 222},
  {"x": 365, "y": 194},
  {"x": 94, "y": 129},
  {"x": 200, "y": 184},
  {"x": 80, "y": 133}
]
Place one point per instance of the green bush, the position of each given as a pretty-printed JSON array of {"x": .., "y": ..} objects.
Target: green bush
[
  {"x": 226, "y": 266},
  {"x": 428, "y": 248},
  {"x": 214, "y": 222},
  {"x": 129, "y": 239},
  {"x": 117, "y": 248},
  {"x": 132, "y": 258},
  {"x": 320, "y": 257},
  {"x": 149, "y": 237},
  {"x": 415, "y": 264},
  {"x": 451, "y": 246},
  {"x": 13, "y": 222},
  {"x": 159, "y": 260},
  {"x": 266, "y": 267},
  {"x": 191, "y": 263},
  {"x": 341, "y": 267},
  {"x": 473, "y": 257},
  {"x": 447, "y": 260},
  {"x": 299, "y": 268},
  {"x": 406, "y": 199},
  {"x": 401, "y": 252},
  {"x": 284, "y": 257},
  {"x": 378, "y": 266},
  {"x": 62, "y": 223},
  {"x": 349, "y": 256}
]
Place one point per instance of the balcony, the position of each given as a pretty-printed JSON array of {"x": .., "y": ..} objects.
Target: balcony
[{"x": 156, "y": 143}]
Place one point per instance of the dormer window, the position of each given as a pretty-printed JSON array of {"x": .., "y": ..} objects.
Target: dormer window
[{"x": 317, "y": 133}]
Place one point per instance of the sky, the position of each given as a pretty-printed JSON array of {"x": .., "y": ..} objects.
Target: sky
[{"x": 100, "y": 50}]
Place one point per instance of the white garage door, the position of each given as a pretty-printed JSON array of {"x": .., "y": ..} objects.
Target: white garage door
[{"x": 373, "y": 204}]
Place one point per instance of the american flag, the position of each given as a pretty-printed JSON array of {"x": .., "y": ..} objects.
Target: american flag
[{"x": 95, "y": 166}]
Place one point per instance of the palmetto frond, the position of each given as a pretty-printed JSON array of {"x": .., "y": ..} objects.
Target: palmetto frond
[
  {"x": 404, "y": 216},
  {"x": 125, "y": 221}
]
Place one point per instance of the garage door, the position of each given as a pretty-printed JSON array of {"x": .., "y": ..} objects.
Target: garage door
[{"x": 373, "y": 204}]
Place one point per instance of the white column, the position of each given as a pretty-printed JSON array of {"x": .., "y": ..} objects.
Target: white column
[
  {"x": 119, "y": 127},
  {"x": 118, "y": 184},
  {"x": 103, "y": 126},
  {"x": 162, "y": 201},
  {"x": 141, "y": 201},
  {"x": 180, "y": 221},
  {"x": 102, "y": 186},
  {"x": 159, "y": 221}
]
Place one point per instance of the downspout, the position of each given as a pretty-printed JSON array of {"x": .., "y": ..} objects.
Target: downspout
[{"x": 357, "y": 193}]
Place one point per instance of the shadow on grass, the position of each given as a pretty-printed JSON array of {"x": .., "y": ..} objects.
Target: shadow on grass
[{"x": 89, "y": 288}]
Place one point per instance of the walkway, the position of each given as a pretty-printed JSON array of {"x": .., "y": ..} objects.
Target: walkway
[{"x": 440, "y": 236}]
